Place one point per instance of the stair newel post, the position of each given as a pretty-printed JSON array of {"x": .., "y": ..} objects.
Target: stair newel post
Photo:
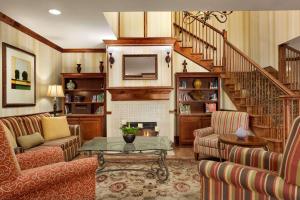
[
  {"x": 282, "y": 63},
  {"x": 224, "y": 50}
]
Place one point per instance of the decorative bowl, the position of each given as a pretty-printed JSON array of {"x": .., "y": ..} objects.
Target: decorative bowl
[{"x": 129, "y": 138}]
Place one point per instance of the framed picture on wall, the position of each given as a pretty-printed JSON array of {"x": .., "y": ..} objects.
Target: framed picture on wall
[{"x": 18, "y": 77}]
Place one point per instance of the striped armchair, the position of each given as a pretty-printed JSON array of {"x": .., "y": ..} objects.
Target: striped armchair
[
  {"x": 254, "y": 174},
  {"x": 43, "y": 174},
  {"x": 222, "y": 122}
]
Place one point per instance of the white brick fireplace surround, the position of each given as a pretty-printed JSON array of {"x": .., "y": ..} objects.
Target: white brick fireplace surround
[{"x": 141, "y": 111}]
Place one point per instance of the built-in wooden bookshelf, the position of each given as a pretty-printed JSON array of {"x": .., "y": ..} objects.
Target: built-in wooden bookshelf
[
  {"x": 85, "y": 104},
  {"x": 197, "y": 96}
]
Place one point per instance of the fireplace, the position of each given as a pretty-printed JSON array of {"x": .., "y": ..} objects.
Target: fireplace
[
  {"x": 151, "y": 114},
  {"x": 146, "y": 128}
]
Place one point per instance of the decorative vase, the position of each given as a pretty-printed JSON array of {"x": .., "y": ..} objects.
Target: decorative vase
[
  {"x": 70, "y": 85},
  {"x": 78, "y": 68},
  {"x": 197, "y": 83},
  {"x": 129, "y": 138},
  {"x": 241, "y": 133},
  {"x": 101, "y": 67}
]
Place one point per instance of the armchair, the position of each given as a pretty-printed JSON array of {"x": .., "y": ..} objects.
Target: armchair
[
  {"x": 222, "y": 122},
  {"x": 43, "y": 174},
  {"x": 268, "y": 175}
]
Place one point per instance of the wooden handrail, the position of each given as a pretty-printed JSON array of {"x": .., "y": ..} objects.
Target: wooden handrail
[
  {"x": 278, "y": 84},
  {"x": 198, "y": 38},
  {"x": 205, "y": 23}
]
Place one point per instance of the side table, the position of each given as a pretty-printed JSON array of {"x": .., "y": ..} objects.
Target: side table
[{"x": 249, "y": 141}]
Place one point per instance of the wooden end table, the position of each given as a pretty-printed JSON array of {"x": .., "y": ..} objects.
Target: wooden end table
[{"x": 249, "y": 141}]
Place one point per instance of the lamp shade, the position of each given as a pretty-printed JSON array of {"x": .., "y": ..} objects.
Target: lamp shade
[{"x": 55, "y": 91}]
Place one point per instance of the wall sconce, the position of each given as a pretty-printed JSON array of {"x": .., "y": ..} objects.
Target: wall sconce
[
  {"x": 168, "y": 58},
  {"x": 111, "y": 60}
]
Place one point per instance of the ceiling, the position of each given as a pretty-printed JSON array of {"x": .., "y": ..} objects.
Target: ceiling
[{"x": 83, "y": 25}]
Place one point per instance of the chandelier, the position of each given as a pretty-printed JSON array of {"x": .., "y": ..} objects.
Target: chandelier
[{"x": 204, "y": 16}]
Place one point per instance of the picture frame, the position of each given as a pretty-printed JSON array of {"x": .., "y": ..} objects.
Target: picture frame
[{"x": 18, "y": 77}]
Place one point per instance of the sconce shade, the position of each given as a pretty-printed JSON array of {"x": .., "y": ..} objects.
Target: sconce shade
[{"x": 55, "y": 91}]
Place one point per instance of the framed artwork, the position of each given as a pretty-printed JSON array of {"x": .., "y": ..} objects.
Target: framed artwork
[{"x": 18, "y": 77}]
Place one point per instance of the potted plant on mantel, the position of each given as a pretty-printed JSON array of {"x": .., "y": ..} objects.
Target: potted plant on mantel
[{"x": 129, "y": 133}]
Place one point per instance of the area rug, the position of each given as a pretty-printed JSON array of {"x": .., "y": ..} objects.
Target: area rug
[{"x": 183, "y": 183}]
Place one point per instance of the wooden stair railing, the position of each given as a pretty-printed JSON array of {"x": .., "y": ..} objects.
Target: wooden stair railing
[
  {"x": 271, "y": 104},
  {"x": 201, "y": 37},
  {"x": 289, "y": 67},
  {"x": 262, "y": 94}
]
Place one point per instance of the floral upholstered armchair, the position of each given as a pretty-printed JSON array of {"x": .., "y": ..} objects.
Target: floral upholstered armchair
[
  {"x": 255, "y": 174},
  {"x": 222, "y": 122},
  {"x": 43, "y": 174}
]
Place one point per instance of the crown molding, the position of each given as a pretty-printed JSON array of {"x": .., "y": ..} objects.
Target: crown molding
[{"x": 4, "y": 18}]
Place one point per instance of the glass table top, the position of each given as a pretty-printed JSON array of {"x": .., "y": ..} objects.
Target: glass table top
[{"x": 140, "y": 143}]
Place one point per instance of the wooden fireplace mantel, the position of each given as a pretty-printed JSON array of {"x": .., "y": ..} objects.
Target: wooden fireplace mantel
[{"x": 139, "y": 93}]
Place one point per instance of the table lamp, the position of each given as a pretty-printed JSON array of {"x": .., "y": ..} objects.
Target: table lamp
[{"x": 55, "y": 91}]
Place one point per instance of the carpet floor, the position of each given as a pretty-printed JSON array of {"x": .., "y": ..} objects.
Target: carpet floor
[{"x": 183, "y": 182}]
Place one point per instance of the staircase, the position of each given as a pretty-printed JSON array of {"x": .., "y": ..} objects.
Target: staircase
[
  {"x": 272, "y": 105},
  {"x": 289, "y": 67}
]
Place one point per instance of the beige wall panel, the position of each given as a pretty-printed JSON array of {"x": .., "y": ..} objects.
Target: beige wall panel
[
  {"x": 132, "y": 24},
  {"x": 112, "y": 19},
  {"x": 89, "y": 61},
  {"x": 159, "y": 24},
  {"x": 48, "y": 68}
]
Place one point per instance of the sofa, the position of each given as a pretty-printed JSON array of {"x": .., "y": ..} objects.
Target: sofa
[
  {"x": 222, "y": 122},
  {"x": 43, "y": 175},
  {"x": 29, "y": 124},
  {"x": 254, "y": 174}
]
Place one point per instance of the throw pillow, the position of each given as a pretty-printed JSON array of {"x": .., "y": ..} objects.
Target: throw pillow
[
  {"x": 10, "y": 137},
  {"x": 29, "y": 141},
  {"x": 55, "y": 127}
]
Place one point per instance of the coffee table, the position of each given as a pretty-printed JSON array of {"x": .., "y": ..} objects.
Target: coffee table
[
  {"x": 116, "y": 146},
  {"x": 249, "y": 141}
]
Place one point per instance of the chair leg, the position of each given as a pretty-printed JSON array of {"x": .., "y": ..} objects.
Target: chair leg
[{"x": 196, "y": 156}]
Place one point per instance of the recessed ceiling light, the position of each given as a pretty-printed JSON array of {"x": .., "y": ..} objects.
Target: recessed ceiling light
[{"x": 54, "y": 12}]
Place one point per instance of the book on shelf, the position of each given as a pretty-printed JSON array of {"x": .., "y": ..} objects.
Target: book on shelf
[
  {"x": 210, "y": 107},
  {"x": 184, "y": 109},
  {"x": 213, "y": 84},
  {"x": 98, "y": 98},
  {"x": 213, "y": 97},
  {"x": 100, "y": 110},
  {"x": 183, "y": 84}
]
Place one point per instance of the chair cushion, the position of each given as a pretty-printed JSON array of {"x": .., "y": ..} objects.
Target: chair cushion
[
  {"x": 290, "y": 168},
  {"x": 208, "y": 141},
  {"x": 64, "y": 143},
  {"x": 29, "y": 141},
  {"x": 225, "y": 122},
  {"x": 55, "y": 127}
]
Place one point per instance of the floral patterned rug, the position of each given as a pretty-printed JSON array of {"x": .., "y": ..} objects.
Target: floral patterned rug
[{"x": 183, "y": 183}]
